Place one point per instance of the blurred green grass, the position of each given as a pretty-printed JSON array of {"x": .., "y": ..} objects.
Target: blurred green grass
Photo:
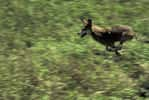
[{"x": 43, "y": 58}]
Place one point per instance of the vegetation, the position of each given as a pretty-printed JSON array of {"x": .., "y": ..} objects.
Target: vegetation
[{"x": 43, "y": 58}]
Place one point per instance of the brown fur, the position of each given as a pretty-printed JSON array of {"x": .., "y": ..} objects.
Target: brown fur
[
  {"x": 109, "y": 35},
  {"x": 126, "y": 30}
]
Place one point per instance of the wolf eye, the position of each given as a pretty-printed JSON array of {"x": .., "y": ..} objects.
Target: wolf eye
[{"x": 88, "y": 31}]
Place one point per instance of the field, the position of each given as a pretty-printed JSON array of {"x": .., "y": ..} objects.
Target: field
[{"x": 43, "y": 58}]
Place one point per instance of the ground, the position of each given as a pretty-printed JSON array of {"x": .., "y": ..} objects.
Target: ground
[{"x": 43, "y": 58}]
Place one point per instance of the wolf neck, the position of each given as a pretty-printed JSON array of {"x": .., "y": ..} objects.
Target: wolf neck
[
  {"x": 97, "y": 30},
  {"x": 95, "y": 36}
]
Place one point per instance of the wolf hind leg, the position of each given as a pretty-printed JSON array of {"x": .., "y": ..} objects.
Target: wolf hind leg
[{"x": 113, "y": 48}]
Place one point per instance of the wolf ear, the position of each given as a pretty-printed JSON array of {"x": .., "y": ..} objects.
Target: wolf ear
[
  {"x": 84, "y": 21},
  {"x": 89, "y": 22}
]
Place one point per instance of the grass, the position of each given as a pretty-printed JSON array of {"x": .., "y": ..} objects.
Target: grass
[{"x": 43, "y": 58}]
